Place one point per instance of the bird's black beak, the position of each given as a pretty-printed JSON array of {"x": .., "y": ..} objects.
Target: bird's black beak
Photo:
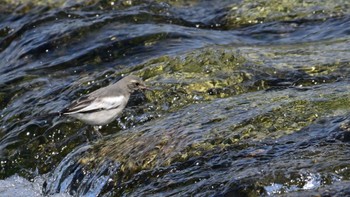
[{"x": 144, "y": 87}]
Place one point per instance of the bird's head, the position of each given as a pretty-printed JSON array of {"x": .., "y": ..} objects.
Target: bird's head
[{"x": 134, "y": 83}]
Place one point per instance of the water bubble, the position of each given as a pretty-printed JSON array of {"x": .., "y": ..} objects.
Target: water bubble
[
  {"x": 128, "y": 2},
  {"x": 197, "y": 98},
  {"x": 64, "y": 147}
]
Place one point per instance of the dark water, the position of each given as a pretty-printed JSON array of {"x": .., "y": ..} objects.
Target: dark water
[{"x": 250, "y": 97}]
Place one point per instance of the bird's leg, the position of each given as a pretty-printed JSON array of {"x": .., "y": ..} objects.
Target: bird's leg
[
  {"x": 121, "y": 124},
  {"x": 98, "y": 133}
]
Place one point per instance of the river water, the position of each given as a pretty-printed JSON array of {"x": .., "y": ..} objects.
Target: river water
[{"x": 250, "y": 98}]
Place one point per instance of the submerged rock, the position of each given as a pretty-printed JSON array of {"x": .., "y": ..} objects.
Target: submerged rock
[{"x": 249, "y": 141}]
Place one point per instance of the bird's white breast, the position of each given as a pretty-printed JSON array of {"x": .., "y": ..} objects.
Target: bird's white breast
[
  {"x": 106, "y": 103},
  {"x": 111, "y": 102}
]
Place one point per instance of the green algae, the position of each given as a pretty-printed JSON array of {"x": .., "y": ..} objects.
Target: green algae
[
  {"x": 200, "y": 75},
  {"x": 250, "y": 12}
]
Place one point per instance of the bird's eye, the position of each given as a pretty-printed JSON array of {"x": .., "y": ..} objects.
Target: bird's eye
[{"x": 137, "y": 83}]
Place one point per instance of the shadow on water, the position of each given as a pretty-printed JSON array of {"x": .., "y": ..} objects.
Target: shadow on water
[{"x": 250, "y": 97}]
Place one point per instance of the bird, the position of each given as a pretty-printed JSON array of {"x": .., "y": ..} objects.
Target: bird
[{"x": 104, "y": 105}]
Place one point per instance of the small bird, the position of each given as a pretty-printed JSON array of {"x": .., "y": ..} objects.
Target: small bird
[{"x": 102, "y": 106}]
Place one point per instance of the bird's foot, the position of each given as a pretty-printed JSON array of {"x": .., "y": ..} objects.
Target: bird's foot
[{"x": 98, "y": 133}]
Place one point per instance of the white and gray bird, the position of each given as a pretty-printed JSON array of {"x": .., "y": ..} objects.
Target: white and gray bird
[{"x": 104, "y": 105}]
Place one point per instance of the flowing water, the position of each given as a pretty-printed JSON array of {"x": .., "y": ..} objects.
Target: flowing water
[{"x": 250, "y": 98}]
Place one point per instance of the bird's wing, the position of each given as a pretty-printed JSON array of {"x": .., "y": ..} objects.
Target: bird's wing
[{"x": 89, "y": 104}]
